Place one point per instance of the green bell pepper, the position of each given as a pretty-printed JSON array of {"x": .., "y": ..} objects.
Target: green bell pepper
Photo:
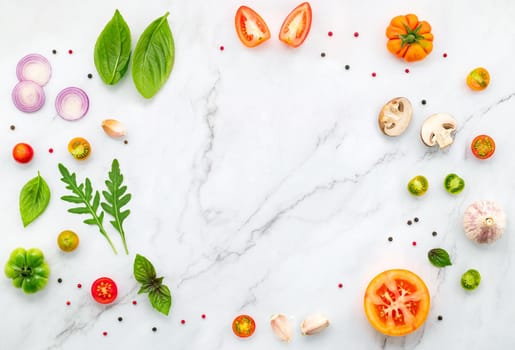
[{"x": 27, "y": 269}]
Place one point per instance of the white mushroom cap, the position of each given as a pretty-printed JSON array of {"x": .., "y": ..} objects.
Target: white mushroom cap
[
  {"x": 395, "y": 116},
  {"x": 438, "y": 129}
]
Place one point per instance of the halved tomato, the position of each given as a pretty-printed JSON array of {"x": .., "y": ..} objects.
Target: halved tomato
[
  {"x": 251, "y": 28},
  {"x": 104, "y": 290},
  {"x": 296, "y": 26},
  {"x": 397, "y": 302},
  {"x": 483, "y": 146}
]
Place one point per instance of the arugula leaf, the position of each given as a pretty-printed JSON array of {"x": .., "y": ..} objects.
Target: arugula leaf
[
  {"x": 83, "y": 194},
  {"x": 158, "y": 293},
  {"x": 439, "y": 257},
  {"x": 113, "y": 50},
  {"x": 153, "y": 57},
  {"x": 115, "y": 199},
  {"x": 34, "y": 199}
]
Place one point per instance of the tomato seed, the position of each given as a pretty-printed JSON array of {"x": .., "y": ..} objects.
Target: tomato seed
[
  {"x": 12, "y": 127},
  {"x": 356, "y": 34},
  {"x": 54, "y": 51},
  {"x": 70, "y": 51},
  {"x": 414, "y": 243},
  {"x": 104, "y": 334},
  {"x": 134, "y": 302},
  {"x": 330, "y": 33},
  {"x": 406, "y": 70},
  {"x": 374, "y": 74},
  {"x": 222, "y": 48},
  {"x": 444, "y": 55},
  {"x": 203, "y": 316},
  {"x": 183, "y": 321}
]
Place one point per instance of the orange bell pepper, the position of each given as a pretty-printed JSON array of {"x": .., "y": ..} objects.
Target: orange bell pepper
[{"x": 408, "y": 38}]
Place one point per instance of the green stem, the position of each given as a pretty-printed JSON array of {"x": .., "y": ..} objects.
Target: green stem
[{"x": 103, "y": 232}]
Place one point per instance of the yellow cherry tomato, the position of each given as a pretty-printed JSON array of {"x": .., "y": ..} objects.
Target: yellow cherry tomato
[
  {"x": 79, "y": 148},
  {"x": 68, "y": 241},
  {"x": 243, "y": 326},
  {"x": 478, "y": 79}
]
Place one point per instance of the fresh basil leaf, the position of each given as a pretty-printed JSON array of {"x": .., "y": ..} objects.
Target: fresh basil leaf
[
  {"x": 146, "y": 288},
  {"x": 439, "y": 257},
  {"x": 161, "y": 299},
  {"x": 153, "y": 57},
  {"x": 113, "y": 50},
  {"x": 144, "y": 271},
  {"x": 34, "y": 199}
]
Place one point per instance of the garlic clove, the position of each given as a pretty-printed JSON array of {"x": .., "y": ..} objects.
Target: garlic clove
[
  {"x": 484, "y": 221},
  {"x": 282, "y": 327},
  {"x": 314, "y": 324},
  {"x": 114, "y": 128}
]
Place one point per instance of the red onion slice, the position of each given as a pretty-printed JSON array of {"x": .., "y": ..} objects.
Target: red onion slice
[
  {"x": 72, "y": 103},
  {"x": 34, "y": 67},
  {"x": 28, "y": 96}
]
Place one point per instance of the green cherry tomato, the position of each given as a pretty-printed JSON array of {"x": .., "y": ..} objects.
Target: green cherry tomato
[
  {"x": 27, "y": 269},
  {"x": 418, "y": 185},
  {"x": 470, "y": 279},
  {"x": 454, "y": 184}
]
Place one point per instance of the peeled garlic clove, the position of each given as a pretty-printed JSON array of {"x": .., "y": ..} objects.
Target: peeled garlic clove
[
  {"x": 114, "y": 128},
  {"x": 484, "y": 221},
  {"x": 281, "y": 326},
  {"x": 314, "y": 324}
]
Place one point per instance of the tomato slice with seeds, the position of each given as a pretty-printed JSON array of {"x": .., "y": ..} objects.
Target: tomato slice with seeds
[
  {"x": 79, "y": 148},
  {"x": 483, "y": 146},
  {"x": 296, "y": 26},
  {"x": 243, "y": 326},
  {"x": 397, "y": 302},
  {"x": 251, "y": 28},
  {"x": 104, "y": 290}
]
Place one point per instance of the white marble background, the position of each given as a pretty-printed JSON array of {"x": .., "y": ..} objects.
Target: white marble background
[{"x": 260, "y": 180}]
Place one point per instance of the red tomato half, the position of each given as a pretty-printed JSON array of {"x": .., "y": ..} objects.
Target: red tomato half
[
  {"x": 23, "y": 153},
  {"x": 483, "y": 146},
  {"x": 296, "y": 26},
  {"x": 251, "y": 28},
  {"x": 104, "y": 290}
]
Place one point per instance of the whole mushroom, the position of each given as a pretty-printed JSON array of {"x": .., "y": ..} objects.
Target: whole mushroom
[
  {"x": 395, "y": 116},
  {"x": 484, "y": 221},
  {"x": 438, "y": 129}
]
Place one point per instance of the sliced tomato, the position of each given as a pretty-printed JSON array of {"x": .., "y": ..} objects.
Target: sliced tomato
[
  {"x": 483, "y": 146},
  {"x": 397, "y": 302},
  {"x": 251, "y": 28},
  {"x": 243, "y": 326},
  {"x": 104, "y": 290},
  {"x": 296, "y": 26}
]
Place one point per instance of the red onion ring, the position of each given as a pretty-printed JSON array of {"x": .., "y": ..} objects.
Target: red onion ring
[
  {"x": 28, "y": 96},
  {"x": 72, "y": 103},
  {"x": 34, "y": 67}
]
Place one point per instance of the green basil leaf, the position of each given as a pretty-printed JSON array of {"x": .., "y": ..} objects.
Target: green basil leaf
[
  {"x": 153, "y": 57},
  {"x": 439, "y": 257},
  {"x": 113, "y": 50},
  {"x": 161, "y": 299},
  {"x": 144, "y": 271},
  {"x": 34, "y": 199}
]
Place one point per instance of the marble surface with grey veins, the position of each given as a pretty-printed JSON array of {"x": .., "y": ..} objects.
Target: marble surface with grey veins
[{"x": 260, "y": 178}]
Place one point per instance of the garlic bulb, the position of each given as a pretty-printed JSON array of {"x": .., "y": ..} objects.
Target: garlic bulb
[
  {"x": 114, "y": 128},
  {"x": 484, "y": 221},
  {"x": 281, "y": 326},
  {"x": 314, "y": 324}
]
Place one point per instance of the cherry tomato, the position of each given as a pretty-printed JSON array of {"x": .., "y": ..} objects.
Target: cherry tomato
[
  {"x": 470, "y": 280},
  {"x": 296, "y": 26},
  {"x": 483, "y": 146},
  {"x": 478, "y": 79},
  {"x": 104, "y": 290},
  {"x": 23, "y": 153},
  {"x": 454, "y": 184},
  {"x": 243, "y": 326},
  {"x": 251, "y": 28},
  {"x": 397, "y": 302},
  {"x": 79, "y": 148},
  {"x": 418, "y": 185},
  {"x": 68, "y": 241}
]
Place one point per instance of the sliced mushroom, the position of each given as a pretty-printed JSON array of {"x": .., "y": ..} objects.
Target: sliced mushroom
[
  {"x": 438, "y": 129},
  {"x": 395, "y": 116}
]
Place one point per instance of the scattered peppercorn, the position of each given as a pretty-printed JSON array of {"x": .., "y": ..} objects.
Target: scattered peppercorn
[
  {"x": 104, "y": 334},
  {"x": 414, "y": 243},
  {"x": 59, "y": 280},
  {"x": 134, "y": 302},
  {"x": 434, "y": 233},
  {"x": 79, "y": 285},
  {"x": 222, "y": 48},
  {"x": 12, "y": 127},
  {"x": 125, "y": 142},
  {"x": 340, "y": 285},
  {"x": 444, "y": 55},
  {"x": 68, "y": 303},
  {"x": 423, "y": 102},
  {"x": 183, "y": 321},
  {"x": 203, "y": 316},
  {"x": 70, "y": 51},
  {"x": 154, "y": 329},
  {"x": 347, "y": 67},
  {"x": 390, "y": 239},
  {"x": 90, "y": 75},
  {"x": 54, "y": 51},
  {"x": 50, "y": 150},
  {"x": 120, "y": 319},
  {"x": 409, "y": 222},
  {"x": 374, "y": 74},
  {"x": 356, "y": 34},
  {"x": 330, "y": 33},
  {"x": 406, "y": 70},
  {"x": 415, "y": 219},
  {"x": 440, "y": 317},
  {"x": 322, "y": 54}
]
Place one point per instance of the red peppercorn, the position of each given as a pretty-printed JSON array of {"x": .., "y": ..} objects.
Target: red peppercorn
[
  {"x": 406, "y": 70},
  {"x": 50, "y": 150},
  {"x": 414, "y": 243},
  {"x": 68, "y": 303},
  {"x": 340, "y": 285},
  {"x": 203, "y": 316},
  {"x": 374, "y": 74},
  {"x": 222, "y": 48},
  {"x": 330, "y": 33},
  {"x": 134, "y": 302},
  {"x": 70, "y": 51},
  {"x": 183, "y": 321},
  {"x": 79, "y": 285},
  {"x": 356, "y": 34},
  {"x": 104, "y": 333},
  {"x": 444, "y": 55}
]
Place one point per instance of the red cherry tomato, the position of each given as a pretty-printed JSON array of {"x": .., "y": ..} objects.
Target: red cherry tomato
[
  {"x": 296, "y": 26},
  {"x": 251, "y": 28},
  {"x": 483, "y": 146},
  {"x": 104, "y": 290},
  {"x": 23, "y": 153}
]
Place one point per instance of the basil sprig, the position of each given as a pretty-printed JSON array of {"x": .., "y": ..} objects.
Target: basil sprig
[
  {"x": 153, "y": 57},
  {"x": 158, "y": 293},
  {"x": 34, "y": 199},
  {"x": 439, "y": 257}
]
